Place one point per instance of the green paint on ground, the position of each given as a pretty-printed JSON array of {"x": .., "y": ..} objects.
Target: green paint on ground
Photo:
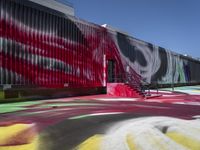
[
  {"x": 184, "y": 89},
  {"x": 80, "y": 117},
  {"x": 17, "y": 106},
  {"x": 13, "y": 107},
  {"x": 180, "y": 88},
  {"x": 10, "y": 109}
]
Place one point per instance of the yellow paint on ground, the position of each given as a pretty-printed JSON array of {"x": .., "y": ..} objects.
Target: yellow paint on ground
[
  {"x": 18, "y": 137},
  {"x": 7, "y": 132},
  {"x": 130, "y": 142},
  {"x": 186, "y": 141},
  {"x": 32, "y": 146},
  {"x": 92, "y": 143}
]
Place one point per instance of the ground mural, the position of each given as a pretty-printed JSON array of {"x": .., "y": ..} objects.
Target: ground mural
[{"x": 103, "y": 122}]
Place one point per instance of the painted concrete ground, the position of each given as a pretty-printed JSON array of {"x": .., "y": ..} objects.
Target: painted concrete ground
[
  {"x": 103, "y": 122},
  {"x": 186, "y": 89}
]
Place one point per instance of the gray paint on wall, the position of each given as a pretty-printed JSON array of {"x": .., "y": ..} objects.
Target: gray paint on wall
[{"x": 52, "y": 4}]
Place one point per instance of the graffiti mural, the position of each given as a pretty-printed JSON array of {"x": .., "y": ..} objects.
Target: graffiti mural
[
  {"x": 146, "y": 134},
  {"x": 156, "y": 64},
  {"x": 102, "y": 122},
  {"x": 41, "y": 47}
]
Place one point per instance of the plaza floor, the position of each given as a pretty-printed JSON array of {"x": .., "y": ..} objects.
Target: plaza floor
[{"x": 103, "y": 122}]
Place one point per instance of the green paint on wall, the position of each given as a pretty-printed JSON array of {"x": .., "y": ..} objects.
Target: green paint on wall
[
  {"x": 181, "y": 73},
  {"x": 2, "y": 96}
]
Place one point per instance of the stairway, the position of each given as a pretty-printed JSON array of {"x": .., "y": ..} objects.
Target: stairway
[
  {"x": 128, "y": 84},
  {"x": 124, "y": 90},
  {"x": 136, "y": 89}
]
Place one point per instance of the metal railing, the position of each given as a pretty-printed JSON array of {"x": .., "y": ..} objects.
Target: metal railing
[
  {"x": 136, "y": 82},
  {"x": 132, "y": 80}
]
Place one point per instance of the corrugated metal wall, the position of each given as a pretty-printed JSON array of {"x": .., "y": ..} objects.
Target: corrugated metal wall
[
  {"x": 156, "y": 64},
  {"x": 40, "y": 48}
]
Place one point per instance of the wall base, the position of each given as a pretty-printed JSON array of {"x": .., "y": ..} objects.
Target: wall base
[{"x": 23, "y": 94}]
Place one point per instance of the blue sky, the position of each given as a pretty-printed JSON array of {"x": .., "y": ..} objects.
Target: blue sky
[{"x": 172, "y": 24}]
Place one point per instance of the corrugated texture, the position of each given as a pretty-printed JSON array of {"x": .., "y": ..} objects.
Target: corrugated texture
[
  {"x": 39, "y": 48},
  {"x": 155, "y": 64}
]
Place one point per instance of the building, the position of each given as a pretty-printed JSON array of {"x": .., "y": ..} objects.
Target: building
[{"x": 46, "y": 51}]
